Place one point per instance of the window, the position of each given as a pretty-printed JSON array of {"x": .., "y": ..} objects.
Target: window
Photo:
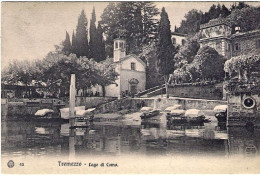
[
  {"x": 116, "y": 45},
  {"x": 121, "y": 45},
  {"x": 228, "y": 47},
  {"x": 132, "y": 66},
  {"x": 183, "y": 42},
  {"x": 173, "y": 40},
  {"x": 237, "y": 46}
]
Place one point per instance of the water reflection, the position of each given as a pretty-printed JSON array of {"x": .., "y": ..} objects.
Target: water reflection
[{"x": 153, "y": 137}]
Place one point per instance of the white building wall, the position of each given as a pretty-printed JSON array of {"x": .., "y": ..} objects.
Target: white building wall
[
  {"x": 126, "y": 64},
  {"x": 125, "y": 75},
  {"x": 113, "y": 89},
  {"x": 178, "y": 39}
]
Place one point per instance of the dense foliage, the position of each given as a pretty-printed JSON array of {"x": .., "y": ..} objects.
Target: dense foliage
[
  {"x": 241, "y": 15},
  {"x": 80, "y": 46},
  {"x": 136, "y": 19},
  {"x": 153, "y": 77},
  {"x": 206, "y": 65},
  {"x": 243, "y": 66},
  {"x": 54, "y": 72}
]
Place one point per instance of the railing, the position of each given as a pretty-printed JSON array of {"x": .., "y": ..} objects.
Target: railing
[{"x": 149, "y": 90}]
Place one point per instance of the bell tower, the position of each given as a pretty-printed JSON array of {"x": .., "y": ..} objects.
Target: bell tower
[{"x": 119, "y": 49}]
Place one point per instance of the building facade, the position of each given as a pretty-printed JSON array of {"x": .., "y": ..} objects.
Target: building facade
[
  {"x": 217, "y": 34},
  {"x": 131, "y": 70},
  {"x": 178, "y": 39}
]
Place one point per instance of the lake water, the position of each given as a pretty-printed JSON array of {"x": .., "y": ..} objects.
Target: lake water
[{"x": 150, "y": 138}]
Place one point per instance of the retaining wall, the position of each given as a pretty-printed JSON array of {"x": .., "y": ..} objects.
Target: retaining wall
[
  {"x": 28, "y": 107},
  {"x": 135, "y": 103},
  {"x": 211, "y": 92}
]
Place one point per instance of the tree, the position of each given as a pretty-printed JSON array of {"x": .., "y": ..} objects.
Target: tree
[
  {"x": 245, "y": 18},
  {"x": 66, "y": 45},
  {"x": 106, "y": 73},
  {"x": 165, "y": 50},
  {"x": 137, "y": 19},
  {"x": 243, "y": 66},
  {"x": 183, "y": 58},
  {"x": 224, "y": 11},
  {"x": 207, "y": 60},
  {"x": 218, "y": 11},
  {"x": 187, "y": 52},
  {"x": 153, "y": 77},
  {"x": 101, "y": 54},
  {"x": 82, "y": 48},
  {"x": 212, "y": 12},
  {"x": 109, "y": 23},
  {"x": 191, "y": 23},
  {"x": 242, "y": 5},
  {"x": 150, "y": 22},
  {"x": 93, "y": 37},
  {"x": 73, "y": 43},
  {"x": 57, "y": 68},
  {"x": 20, "y": 73}
]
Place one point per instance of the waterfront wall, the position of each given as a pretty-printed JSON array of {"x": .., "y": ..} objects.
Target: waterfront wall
[
  {"x": 26, "y": 107},
  {"x": 20, "y": 109},
  {"x": 211, "y": 92},
  {"x": 135, "y": 103},
  {"x": 88, "y": 102}
]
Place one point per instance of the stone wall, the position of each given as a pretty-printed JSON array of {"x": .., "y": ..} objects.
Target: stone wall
[
  {"x": 88, "y": 102},
  {"x": 239, "y": 114},
  {"x": 246, "y": 43},
  {"x": 161, "y": 103},
  {"x": 26, "y": 107},
  {"x": 211, "y": 92},
  {"x": 19, "y": 108}
]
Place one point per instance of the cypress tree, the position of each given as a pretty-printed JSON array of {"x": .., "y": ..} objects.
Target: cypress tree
[
  {"x": 93, "y": 37},
  {"x": 82, "y": 48},
  {"x": 165, "y": 50},
  {"x": 73, "y": 43},
  {"x": 66, "y": 45},
  {"x": 101, "y": 53},
  {"x": 224, "y": 11}
]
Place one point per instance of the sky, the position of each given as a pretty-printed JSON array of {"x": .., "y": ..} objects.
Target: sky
[{"x": 29, "y": 30}]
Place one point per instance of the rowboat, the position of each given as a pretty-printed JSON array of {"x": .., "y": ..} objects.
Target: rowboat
[
  {"x": 221, "y": 113},
  {"x": 194, "y": 116}
]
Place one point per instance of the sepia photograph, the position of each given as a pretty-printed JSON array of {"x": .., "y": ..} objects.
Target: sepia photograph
[{"x": 130, "y": 87}]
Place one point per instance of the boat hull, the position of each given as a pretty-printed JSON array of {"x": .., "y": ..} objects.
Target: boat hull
[{"x": 148, "y": 115}]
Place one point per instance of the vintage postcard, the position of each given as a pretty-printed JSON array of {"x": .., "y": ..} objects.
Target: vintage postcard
[{"x": 130, "y": 87}]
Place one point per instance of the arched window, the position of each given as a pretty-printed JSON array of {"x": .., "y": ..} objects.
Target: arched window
[
  {"x": 183, "y": 42},
  {"x": 173, "y": 40},
  {"x": 121, "y": 45}
]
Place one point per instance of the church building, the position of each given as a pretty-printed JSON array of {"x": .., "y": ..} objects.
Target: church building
[{"x": 131, "y": 70}]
